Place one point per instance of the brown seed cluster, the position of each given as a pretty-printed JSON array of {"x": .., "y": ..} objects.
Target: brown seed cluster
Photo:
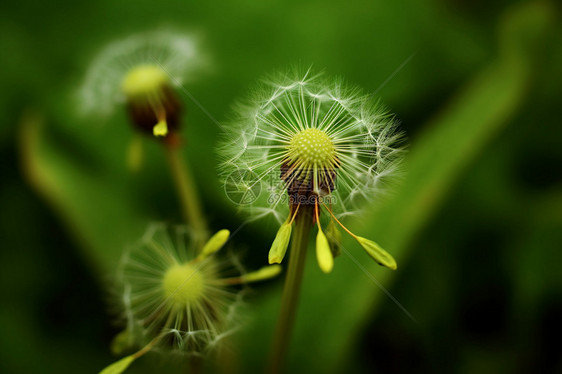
[{"x": 300, "y": 184}]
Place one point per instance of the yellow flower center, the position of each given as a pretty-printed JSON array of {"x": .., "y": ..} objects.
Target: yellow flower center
[
  {"x": 144, "y": 80},
  {"x": 312, "y": 147},
  {"x": 183, "y": 284}
]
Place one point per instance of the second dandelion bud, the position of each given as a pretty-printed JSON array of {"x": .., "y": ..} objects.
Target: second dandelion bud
[{"x": 322, "y": 149}]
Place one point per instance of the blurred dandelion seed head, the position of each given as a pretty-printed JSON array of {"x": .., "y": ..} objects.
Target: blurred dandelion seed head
[
  {"x": 322, "y": 133},
  {"x": 171, "y": 292},
  {"x": 167, "y": 56}
]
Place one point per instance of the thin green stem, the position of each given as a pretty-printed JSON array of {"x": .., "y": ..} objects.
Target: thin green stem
[
  {"x": 187, "y": 192},
  {"x": 291, "y": 290}
]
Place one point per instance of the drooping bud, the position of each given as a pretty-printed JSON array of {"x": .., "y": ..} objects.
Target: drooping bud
[
  {"x": 334, "y": 238},
  {"x": 378, "y": 254},
  {"x": 323, "y": 253},
  {"x": 280, "y": 244},
  {"x": 216, "y": 242},
  {"x": 264, "y": 273}
]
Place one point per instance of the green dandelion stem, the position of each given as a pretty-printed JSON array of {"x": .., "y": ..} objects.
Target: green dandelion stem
[
  {"x": 291, "y": 291},
  {"x": 187, "y": 192}
]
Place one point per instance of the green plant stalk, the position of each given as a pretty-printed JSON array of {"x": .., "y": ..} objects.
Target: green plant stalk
[
  {"x": 291, "y": 290},
  {"x": 187, "y": 192}
]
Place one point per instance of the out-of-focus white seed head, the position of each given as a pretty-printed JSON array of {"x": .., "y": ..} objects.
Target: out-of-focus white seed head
[
  {"x": 134, "y": 64},
  {"x": 171, "y": 293},
  {"x": 178, "y": 298}
]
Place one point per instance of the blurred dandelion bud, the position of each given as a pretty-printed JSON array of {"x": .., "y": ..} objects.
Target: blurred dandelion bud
[
  {"x": 177, "y": 299},
  {"x": 142, "y": 72},
  {"x": 314, "y": 147}
]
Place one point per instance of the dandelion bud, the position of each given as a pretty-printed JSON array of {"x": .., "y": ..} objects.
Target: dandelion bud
[
  {"x": 215, "y": 243},
  {"x": 265, "y": 272},
  {"x": 280, "y": 244},
  {"x": 377, "y": 253},
  {"x": 334, "y": 238},
  {"x": 323, "y": 253}
]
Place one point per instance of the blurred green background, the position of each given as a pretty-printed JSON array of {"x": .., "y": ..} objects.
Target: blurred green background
[{"x": 476, "y": 224}]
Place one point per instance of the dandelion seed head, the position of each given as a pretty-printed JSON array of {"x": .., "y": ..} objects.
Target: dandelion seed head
[
  {"x": 177, "y": 294},
  {"x": 304, "y": 131},
  {"x": 171, "y": 292}
]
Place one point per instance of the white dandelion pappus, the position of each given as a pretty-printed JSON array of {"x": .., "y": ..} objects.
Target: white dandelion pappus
[
  {"x": 315, "y": 146},
  {"x": 346, "y": 145}
]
